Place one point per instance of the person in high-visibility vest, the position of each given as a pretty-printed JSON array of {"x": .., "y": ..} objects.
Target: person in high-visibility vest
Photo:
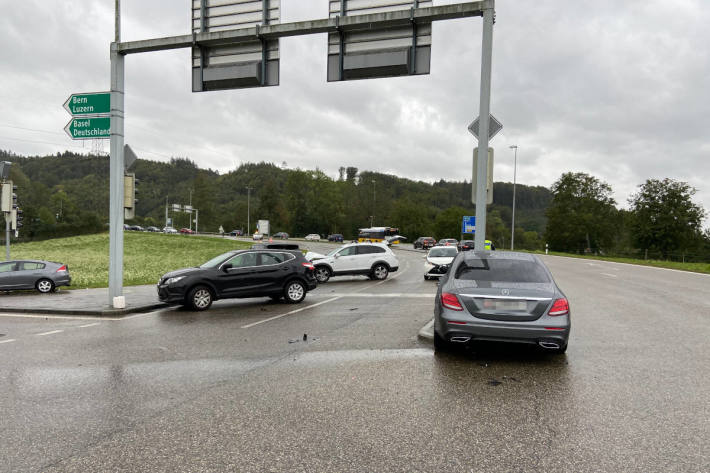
[{"x": 488, "y": 245}]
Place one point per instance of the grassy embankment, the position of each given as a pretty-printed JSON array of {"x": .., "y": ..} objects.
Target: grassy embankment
[
  {"x": 146, "y": 256},
  {"x": 692, "y": 267}
]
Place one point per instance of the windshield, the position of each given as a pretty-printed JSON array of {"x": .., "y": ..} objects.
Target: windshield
[
  {"x": 214, "y": 262},
  {"x": 333, "y": 252},
  {"x": 502, "y": 270},
  {"x": 445, "y": 251}
]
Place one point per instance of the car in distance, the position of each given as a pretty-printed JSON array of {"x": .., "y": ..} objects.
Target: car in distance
[
  {"x": 186, "y": 231},
  {"x": 257, "y": 236},
  {"x": 152, "y": 229},
  {"x": 240, "y": 274},
  {"x": 448, "y": 242},
  {"x": 281, "y": 235},
  {"x": 500, "y": 296},
  {"x": 438, "y": 260},
  {"x": 169, "y": 230},
  {"x": 313, "y": 237},
  {"x": 374, "y": 260},
  {"x": 337, "y": 237},
  {"x": 424, "y": 243},
  {"x": 44, "y": 276},
  {"x": 465, "y": 245}
]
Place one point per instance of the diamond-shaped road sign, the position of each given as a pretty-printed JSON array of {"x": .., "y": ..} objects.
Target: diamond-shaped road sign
[{"x": 494, "y": 126}]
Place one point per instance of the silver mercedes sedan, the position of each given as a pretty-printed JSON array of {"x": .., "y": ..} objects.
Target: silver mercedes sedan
[{"x": 500, "y": 296}]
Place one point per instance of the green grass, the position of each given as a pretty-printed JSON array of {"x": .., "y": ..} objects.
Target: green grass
[
  {"x": 692, "y": 267},
  {"x": 146, "y": 256}
]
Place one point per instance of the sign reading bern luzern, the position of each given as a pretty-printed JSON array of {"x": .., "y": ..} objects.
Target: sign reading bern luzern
[
  {"x": 234, "y": 66},
  {"x": 85, "y": 104},
  {"x": 367, "y": 54}
]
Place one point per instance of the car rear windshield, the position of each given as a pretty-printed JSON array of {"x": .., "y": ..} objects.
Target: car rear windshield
[{"x": 503, "y": 270}]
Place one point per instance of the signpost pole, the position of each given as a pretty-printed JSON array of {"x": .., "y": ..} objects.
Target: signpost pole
[
  {"x": 484, "y": 113},
  {"x": 7, "y": 238},
  {"x": 115, "y": 269}
]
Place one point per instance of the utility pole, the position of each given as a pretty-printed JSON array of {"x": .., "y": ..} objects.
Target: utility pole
[
  {"x": 374, "y": 202},
  {"x": 512, "y": 224},
  {"x": 166, "y": 210},
  {"x": 248, "y": 232},
  {"x": 189, "y": 224},
  {"x": 115, "y": 272}
]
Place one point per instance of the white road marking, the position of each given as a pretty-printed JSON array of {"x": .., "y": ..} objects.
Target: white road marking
[
  {"x": 89, "y": 325},
  {"x": 48, "y": 316},
  {"x": 49, "y": 333},
  {"x": 610, "y": 275},
  {"x": 7, "y": 341},
  {"x": 393, "y": 294},
  {"x": 289, "y": 313}
]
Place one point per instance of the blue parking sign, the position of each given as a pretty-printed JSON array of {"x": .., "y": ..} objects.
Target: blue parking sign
[{"x": 468, "y": 225}]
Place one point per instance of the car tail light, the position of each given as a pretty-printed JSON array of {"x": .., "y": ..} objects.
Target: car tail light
[
  {"x": 308, "y": 265},
  {"x": 450, "y": 301},
  {"x": 560, "y": 307},
  {"x": 62, "y": 268}
]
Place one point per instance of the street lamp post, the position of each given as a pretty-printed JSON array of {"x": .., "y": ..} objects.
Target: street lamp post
[
  {"x": 248, "y": 204},
  {"x": 374, "y": 203},
  {"x": 515, "y": 172}
]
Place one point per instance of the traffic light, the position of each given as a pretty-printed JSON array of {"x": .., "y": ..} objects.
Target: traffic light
[
  {"x": 8, "y": 196},
  {"x": 129, "y": 195},
  {"x": 16, "y": 223}
]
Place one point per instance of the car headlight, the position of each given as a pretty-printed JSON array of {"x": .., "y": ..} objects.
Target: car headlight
[{"x": 173, "y": 280}]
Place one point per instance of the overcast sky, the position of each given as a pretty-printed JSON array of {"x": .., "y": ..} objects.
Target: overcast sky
[{"x": 616, "y": 89}]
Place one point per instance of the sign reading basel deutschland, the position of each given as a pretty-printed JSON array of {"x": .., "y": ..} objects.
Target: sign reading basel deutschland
[{"x": 90, "y": 118}]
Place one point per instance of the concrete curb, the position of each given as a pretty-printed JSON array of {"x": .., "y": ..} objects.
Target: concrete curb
[
  {"x": 92, "y": 312},
  {"x": 427, "y": 332}
]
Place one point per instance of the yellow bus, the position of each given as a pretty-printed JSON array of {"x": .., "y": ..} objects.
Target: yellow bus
[{"x": 378, "y": 234}]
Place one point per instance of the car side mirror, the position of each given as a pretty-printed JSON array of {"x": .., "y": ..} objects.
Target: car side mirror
[
  {"x": 227, "y": 267},
  {"x": 336, "y": 255}
]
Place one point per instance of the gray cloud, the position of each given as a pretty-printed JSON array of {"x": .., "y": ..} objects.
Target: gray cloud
[{"x": 616, "y": 89}]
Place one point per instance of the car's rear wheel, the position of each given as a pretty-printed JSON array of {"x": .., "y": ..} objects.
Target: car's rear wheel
[
  {"x": 380, "y": 271},
  {"x": 200, "y": 298},
  {"x": 295, "y": 292},
  {"x": 439, "y": 343},
  {"x": 44, "y": 286},
  {"x": 322, "y": 274}
]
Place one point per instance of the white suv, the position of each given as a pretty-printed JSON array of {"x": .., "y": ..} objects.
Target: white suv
[{"x": 374, "y": 260}]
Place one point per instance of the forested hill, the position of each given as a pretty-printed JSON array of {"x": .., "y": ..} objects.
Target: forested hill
[{"x": 67, "y": 193}]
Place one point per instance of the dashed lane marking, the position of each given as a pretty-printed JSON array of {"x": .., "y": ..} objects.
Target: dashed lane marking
[
  {"x": 7, "y": 341},
  {"x": 610, "y": 275},
  {"x": 89, "y": 325},
  {"x": 49, "y": 333}
]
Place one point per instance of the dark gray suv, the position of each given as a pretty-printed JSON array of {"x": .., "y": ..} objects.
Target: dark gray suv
[{"x": 500, "y": 296}]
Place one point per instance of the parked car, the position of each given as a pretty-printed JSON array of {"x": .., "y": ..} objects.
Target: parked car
[
  {"x": 169, "y": 230},
  {"x": 152, "y": 229},
  {"x": 45, "y": 276},
  {"x": 240, "y": 274},
  {"x": 281, "y": 235},
  {"x": 491, "y": 295},
  {"x": 374, "y": 260},
  {"x": 236, "y": 233},
  {"x": 424, "y": 243},
  {"x": 187, "y": 231},
  {"x": 438, "y": 260},
  {"x": 257, "y": 236},
  {"x": 465, "y": 245},
  {"x": 313, "y": 237},
  {"x": 448, "y": 242},
  {"x": 335, "y": 237}
]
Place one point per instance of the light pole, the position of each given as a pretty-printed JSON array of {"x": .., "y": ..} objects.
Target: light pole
[
  {"x": 374, "y": 202},
  {"x": 515, "y": 172},
  {"x": 248, "y": 204}
]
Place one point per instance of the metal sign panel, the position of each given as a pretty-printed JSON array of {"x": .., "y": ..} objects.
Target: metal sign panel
[
  {"x": 494, "y": 126},
  {"x": 129, "y": 157},
  {"x": 89, "y": 103},
  {"x": 368, "y": 53},
  {"x": 489, "y": 177},
  {"x": 248, "y": 64},
  {"x": 468, "y": 225}
]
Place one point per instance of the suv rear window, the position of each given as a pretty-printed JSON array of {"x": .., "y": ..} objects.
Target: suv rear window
[{"x": 502, "y": 270}]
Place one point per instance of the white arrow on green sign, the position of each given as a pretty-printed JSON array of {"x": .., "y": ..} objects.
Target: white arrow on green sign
[
  {"x": 91, "y": 103},
  {"x": 89, "y": 128}
]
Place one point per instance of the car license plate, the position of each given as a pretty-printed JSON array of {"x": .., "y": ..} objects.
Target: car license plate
[{"x": 511, "y": 305}]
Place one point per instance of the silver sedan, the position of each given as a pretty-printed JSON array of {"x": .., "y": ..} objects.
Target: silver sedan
[
  {"x": 44, "y": 276},
  {"x": 500, "y": 296}
]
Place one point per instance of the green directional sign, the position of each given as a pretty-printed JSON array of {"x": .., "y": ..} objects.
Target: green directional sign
[
  {"x": 89, "y": 128},
  {"x": 92, "y": 103}
]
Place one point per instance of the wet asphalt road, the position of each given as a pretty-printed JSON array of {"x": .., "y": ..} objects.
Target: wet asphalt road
[{"x": 238, "y": 389}]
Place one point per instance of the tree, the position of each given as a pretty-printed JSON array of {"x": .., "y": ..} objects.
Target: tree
[
  {"x": 582, "y": 214},
  {"x": 448, "y": 223},
  {"x": 665, "y": 219}
]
